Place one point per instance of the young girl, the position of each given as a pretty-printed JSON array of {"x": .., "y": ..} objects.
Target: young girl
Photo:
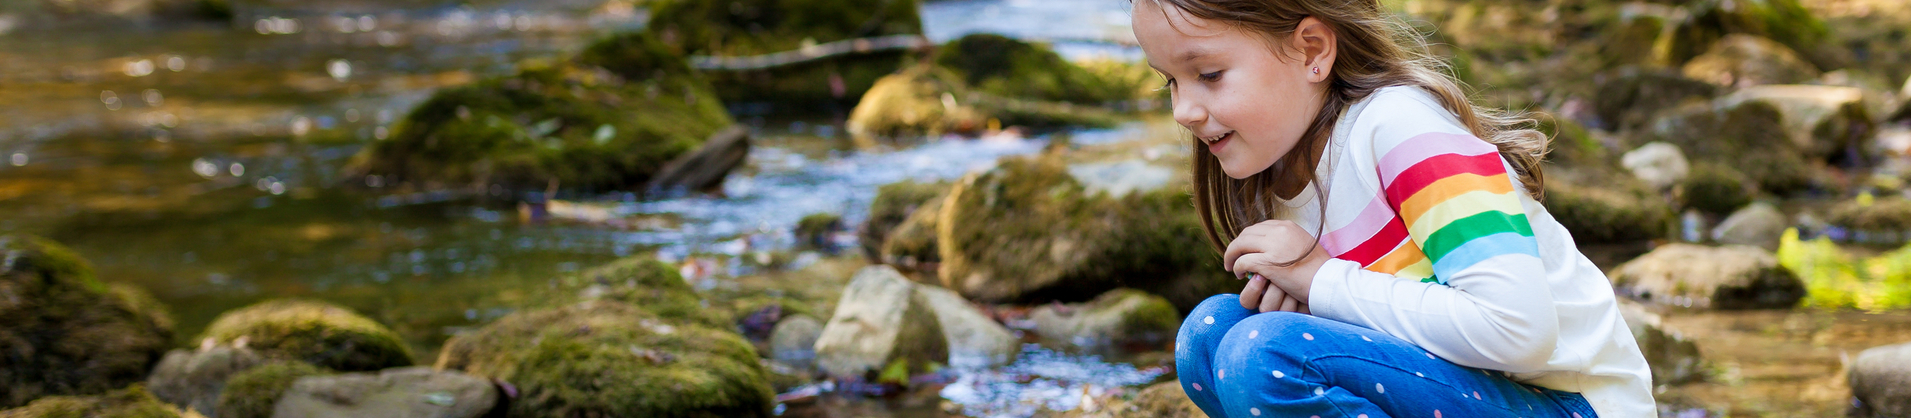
[{"x": 1389, "y": 230}]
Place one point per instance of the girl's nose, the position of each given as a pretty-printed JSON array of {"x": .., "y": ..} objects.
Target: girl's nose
[{"x": 1188, "y": 113}]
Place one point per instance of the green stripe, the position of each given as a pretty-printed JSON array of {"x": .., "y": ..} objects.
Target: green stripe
[{"x": 1457, "y": 233}]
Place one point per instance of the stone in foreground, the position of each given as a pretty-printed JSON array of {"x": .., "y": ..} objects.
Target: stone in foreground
[
  {"x": 1881, "y": 382},
  {"x": 1703, "y": 277},
  {"x": 880, "y": 322},
  {"x": 409, "y": 392}
]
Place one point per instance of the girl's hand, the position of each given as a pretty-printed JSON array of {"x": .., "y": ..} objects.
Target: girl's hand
[{"x": 1256, "y": 254}]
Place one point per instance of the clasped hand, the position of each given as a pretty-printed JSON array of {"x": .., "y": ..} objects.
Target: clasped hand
[{"x": 1262, "y": 254}]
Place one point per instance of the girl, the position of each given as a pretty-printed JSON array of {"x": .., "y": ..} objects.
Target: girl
[{"x": 1389, "y": 230}]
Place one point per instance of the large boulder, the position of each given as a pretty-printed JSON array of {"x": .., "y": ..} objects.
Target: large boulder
[
  {"x": 195, "y": 378},
  {"x": 881, "y": 325},
  {"x": 314, "y": 332},
  {"x": 1826, "y": 122},
  {"x": 1028, "y": 231},
  {"x": 1621, "y": 212},
  {"x": 919, "y": 100},
  {"x": 1740, "y": 60},
  {"x": 975, "y": 339},
  {"x": 409, "y": 392},
  {"x": 1673, "y": 358},
  {"x": 1751, "y": 135},
  {"x": 1880, "y": 380},
  {"x": 608, "y": 119},
  {"x": 66, "y": 333},
  {"x": 1759, "y": 224},
  {"x": 131, "y": 402},
  {"x": 1702, "y": 277},
  {"x": 609, "y": 358},
  {"x": 759, "y": 27},
  {"x": 1121, "y": 318},
  {"x": 643, "y": 281}
]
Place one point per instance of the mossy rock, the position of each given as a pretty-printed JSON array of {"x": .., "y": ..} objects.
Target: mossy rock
[
  {"x": 1881, "y": 215},
  {"x": 314, "y": 332},
  {"x": 1007, "y": 67},
  {"x": 756, "y": 27},
  {"x": 815, "y": 231},
  {"x": 1028, "y": 231},
  {"x": 1827, "y": 123},
  {"x": 641, "y": 281},
  {"x": 911, "y": 247},
  {"x": 919, "y": 100},
  {"x": 131, "y": 402},
  {"x": 608, "y": 119},
  {"x": 1785, "y": 21},
  {"x": 1750, "y": 135},
  {"x": 1630, "y": 98},
  {"x": 1119, "y": 318},
  {"x": 253, "y": 392},
  {"x": 1715, "y": 189},
  {"x": 894, "y": 203},
  {"x": 608, "y": 358},
  {"x": 1574, "y": 146},
  {"x": 1739, "y": 60},
  {"x": 1627, "y": 213},
  {"x": 68, "y": 333}
]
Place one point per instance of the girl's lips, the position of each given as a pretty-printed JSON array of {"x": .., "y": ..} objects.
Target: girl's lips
[{"x": 1214, "y": 147}]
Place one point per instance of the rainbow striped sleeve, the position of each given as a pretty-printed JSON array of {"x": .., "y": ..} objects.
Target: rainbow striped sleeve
[{"x": 1456, "y": 201}]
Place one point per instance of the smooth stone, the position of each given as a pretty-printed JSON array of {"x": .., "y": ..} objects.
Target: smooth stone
[
  {"x": 975, "y": 340},
  {"x": 408, "y": 392},
  {"x": 793, "y": 341},
  {"x": 1705, "y": 277},
  {"x": 1880, "y": 380},
  {"x": 194, "y": 378},
  {"x": 1759, "y": 224},
  {"x": 879, "y": 321},
  {"x": 1123, "y": 317},
  {"x": 1658, "y": 164}
]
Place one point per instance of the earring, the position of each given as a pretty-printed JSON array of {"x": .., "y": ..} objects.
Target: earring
[{"x": 1316, "y": 70}]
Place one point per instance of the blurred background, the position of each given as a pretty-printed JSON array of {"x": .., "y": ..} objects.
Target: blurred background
[{"x": 667, "y": 207}]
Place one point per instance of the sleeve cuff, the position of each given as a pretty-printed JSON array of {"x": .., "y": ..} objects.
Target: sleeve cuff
[{"x": 1327, "y": 297}]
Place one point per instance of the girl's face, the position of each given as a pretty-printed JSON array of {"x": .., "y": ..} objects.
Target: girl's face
[{"x": 1248, "y": 99}]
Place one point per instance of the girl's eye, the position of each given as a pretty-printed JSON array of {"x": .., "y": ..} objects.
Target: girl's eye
[
  {"x": 1211, "y": 77},
  {"x": 1166, "y": 85}
]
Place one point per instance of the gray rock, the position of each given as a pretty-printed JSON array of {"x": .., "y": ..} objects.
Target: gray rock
[
  {"x": 1821, "y": 120},
  {"x": 879, "y": 322},
  {"x": 1759, "y": 225},
  {"x": 1658, "y": 164},
  {"x": 194, "y": 378},
  {"x": 793, "y": 341},
  {"x": 1119, "y": 317},
  {"x": 1704, "y": 277},
  {"x": 975, "y": 340},
  {"x": 1740, "y": 60},
  {"x": 1673, "y": 358},
  {"x": 1881, "y": 382},
  {"x": 410, "y": 392}
]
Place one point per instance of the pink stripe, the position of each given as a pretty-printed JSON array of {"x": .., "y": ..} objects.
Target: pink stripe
[
  {"x": 1364, "y": 226},
  {"x": 1423, "y": 146}
]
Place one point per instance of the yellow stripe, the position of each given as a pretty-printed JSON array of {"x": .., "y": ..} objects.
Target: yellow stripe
[
  {"x": 1405, "y": 255},
  {"x": 1462, "y": 206},
  {"x": 1447, "y": 188},
  {"x": 1418, "y": 270}
]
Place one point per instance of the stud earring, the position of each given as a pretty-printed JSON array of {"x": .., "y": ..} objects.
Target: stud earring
[{"x": 1316, "y": 70}]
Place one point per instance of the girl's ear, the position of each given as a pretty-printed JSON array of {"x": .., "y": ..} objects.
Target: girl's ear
[{"x": 1317, "y": 44}]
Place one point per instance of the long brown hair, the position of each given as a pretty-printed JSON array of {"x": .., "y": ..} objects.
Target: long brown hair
[{"x": 1374, "y": 51}]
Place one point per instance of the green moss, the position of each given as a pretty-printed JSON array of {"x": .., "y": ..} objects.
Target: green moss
[
  {"x": 1882, "y": 215},
  {"x": 607, "y": 120},
  {"x": 606, "y": 358},
  {"x": 252, "y": 393},
  {"x": 1715, "y": 189},
  {"x": 1608, "y": 215},
  {"x": 1631, "y": 98},
  {"x": 1750, "y": 136},
  {"x": 911, "y": 247},
  {"x": 1151, "y": 315},
  {"x": 1574, "y": 146},
  {"x": 67, "y": 333},
  {"x": 313, "y": 332},
  {"x": 755, "y": 27},
  {"x": 642, "y": 281},
  {"x": 1007, "y": 67},
  {"x": 894, "y": 203},
  {"x": 1785, "y": 21},
  {"x": 1161, "y": 237},
  {"x": 814, "y": 230},
  {"x": 1835, "y": 279},
  {"x": 131, "y": 402}
]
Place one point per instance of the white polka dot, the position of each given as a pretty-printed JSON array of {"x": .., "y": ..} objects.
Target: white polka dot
[
  {"x": 1309, "y": 337},
  {"x": 1363, "y": 337},
  {"x": 1476, "y": 394},
  {"x": 1197, "y": 387},
  {"x": 1278, "y": 374},
  {"x": 1208, "y": 320},
  {"x": 1254, "y": 333},
  {"x": 1419, "y": 374},
  {"x": 1379, "y": 388},
  {"x": 1320, "y": 392},
  {"x": 1436, "y": 413},
  {"x": 1576, "y": 415},
  {"x": 1430, "y": 355},
  {"x": 1254, "y": 411},
  {"x": 1221, "y": 374},
  {"x": 1363, "y": 416}
]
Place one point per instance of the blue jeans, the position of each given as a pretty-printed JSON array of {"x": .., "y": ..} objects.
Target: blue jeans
[{"x": 1235, "y": 363}]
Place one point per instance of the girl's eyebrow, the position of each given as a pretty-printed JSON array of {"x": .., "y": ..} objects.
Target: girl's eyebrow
[{"x": 1190, "y": 55}]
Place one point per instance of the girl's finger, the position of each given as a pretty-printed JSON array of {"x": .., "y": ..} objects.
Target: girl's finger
[
  {"x": 1288, "y": 304},
  {"x": 1240, "y": 247},
  {"x": 1250, "y": 264},
  {"x": 1271, "y": 299},
  {"x": 1251, "y": 295},
  {"x": 1304, "y": 310}
]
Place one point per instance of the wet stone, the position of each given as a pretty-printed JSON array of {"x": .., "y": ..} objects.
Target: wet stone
[
  {"x": 410, "y": 392},
  {"x": 1881, "y": 382}
]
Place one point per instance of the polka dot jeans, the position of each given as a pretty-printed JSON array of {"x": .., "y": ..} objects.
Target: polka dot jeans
[{"x": 1235, "y": 363}]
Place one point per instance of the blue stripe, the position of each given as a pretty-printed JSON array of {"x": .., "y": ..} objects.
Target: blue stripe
[{"x": 1482, "y": 248}]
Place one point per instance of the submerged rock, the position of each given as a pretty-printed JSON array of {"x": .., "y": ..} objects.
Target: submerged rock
[
  {"x": 1697, "y": 276},
  {"x": 409, "y": 392},
  {"x": 322, "y": 334},
  {"x": 1673, "y": 358},
  {"x": 1759, "y": 224},
  {"x": 195, "y": 379},
  {"x": 1160, "y": 400},
  {"x": 817, "y": 231},
  {"x": 608, "y": 119},
  {"x": 975, "y": 339},
  {"x": 1880, "y": 380},
  {"x": 131, "y": 402},
  {"x": 1740, "y": 60},
  {"x": 65, "y": 332},
  {"x": 882, "y": 323},
  {"x": 1617, "y": 213},
  {"x": 254, "y": 392},
  {"x": 1121, "y": 317},
  {"x": 609, "y": 358}
]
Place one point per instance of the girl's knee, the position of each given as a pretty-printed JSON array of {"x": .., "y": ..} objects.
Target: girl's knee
[
  {"x": 1272, "y": 336},
  {"x": 1214, "y": 315}
]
